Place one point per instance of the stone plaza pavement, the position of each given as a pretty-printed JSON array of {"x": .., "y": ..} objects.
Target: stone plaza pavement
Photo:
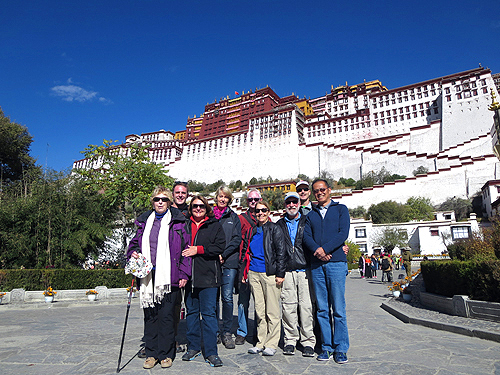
[{"x": 84, "y": 338}]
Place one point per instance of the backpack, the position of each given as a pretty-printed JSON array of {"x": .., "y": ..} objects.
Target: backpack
[{"x": 385, "y": 264}]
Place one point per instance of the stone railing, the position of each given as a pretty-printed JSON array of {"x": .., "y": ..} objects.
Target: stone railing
[
  {"x": 461, "y": 306},
  {"x": 18, "y": 296}
]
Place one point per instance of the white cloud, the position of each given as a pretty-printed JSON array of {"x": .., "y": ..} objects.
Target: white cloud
[{"x": 71, "y": 92}]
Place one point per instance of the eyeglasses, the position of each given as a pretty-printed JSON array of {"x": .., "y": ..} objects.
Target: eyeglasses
[
  {"x": 253, "y": 199},
  {"x": 163, "y": 199},
  {"x": 294, "y": 201},
  {"x": 316, "y": 191},
  {"x": 263, "y": 210},
  {"x": 202, "y": 206},
  {"x": 300, "y": 190}
]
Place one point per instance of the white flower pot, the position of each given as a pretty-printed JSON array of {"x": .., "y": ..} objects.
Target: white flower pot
[
  {"x": 49, "y": 299},
  {"x": 91, "y": 297},
  {"x": 396, "y": 293},
  {"x": 133, "y": 294}
]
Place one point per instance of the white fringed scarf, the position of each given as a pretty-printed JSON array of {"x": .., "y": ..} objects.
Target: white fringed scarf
[{"x": 162, "y": 281}]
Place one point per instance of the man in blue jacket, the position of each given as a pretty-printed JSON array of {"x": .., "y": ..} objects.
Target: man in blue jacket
[{"x": 327, "y": 227}]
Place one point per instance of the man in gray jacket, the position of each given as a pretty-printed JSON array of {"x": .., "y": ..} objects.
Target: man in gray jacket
[{"x": 297, "y": 290}]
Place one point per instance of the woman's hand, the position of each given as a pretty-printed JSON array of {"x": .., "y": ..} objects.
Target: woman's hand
[
  {"x": 182, "y": 283},
  {"x": 279, "y": 280},
  {"x": 221, "y": 259},
  {"x": 135, "y": 255},
  {"x": 190, "y": 251}
]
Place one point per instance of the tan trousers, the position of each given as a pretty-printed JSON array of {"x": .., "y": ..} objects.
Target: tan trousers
[
  {"x": 295, "y": 302},
  {"x": 266, "y": 296}
]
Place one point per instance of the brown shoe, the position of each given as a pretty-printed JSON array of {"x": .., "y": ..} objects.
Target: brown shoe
[
  {"x": 150, "y": 362},
  {"x": 166, "y": 363}
]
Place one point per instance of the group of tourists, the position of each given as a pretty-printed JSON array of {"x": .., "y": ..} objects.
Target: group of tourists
[
  {"x": 368, "y": 265},
  {"x": 294, "y": 269}
]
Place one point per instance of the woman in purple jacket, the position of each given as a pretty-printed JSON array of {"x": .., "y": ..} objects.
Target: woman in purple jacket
[{"x": 161, "y": 236}]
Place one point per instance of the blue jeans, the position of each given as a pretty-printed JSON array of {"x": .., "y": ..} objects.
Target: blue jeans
[
  {"x": 243, "y": 302},
  {"x": 329, "y": 285},
  {"x": 201, "y": 300},
  {"x": 226, "y": 291}
]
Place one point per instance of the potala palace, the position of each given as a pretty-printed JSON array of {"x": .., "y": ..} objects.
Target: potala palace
[{"x": 442, "y": 124}]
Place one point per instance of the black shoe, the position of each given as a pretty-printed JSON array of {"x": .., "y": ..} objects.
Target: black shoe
[
  {"x": 308, "y": 352},
  {"x": 214, "y": 360},
  {"x": 240, "y": 340},
  {"x": 289, "y": 350},
  {"x": 190, "y": 355},
  {"x": 142, "y": 353},
  {"x": 227, "y": 340}
]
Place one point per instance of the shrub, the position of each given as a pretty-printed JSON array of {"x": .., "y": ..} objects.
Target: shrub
[
  {"x": 472, "y": 248},
  {"x": 478, "y": 279}
]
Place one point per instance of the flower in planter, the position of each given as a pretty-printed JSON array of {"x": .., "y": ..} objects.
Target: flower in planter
[
  {"x": 134, "y": 289},
  {"x": 49, "y": 292},
  {"x": 406, "y": 291},
  {"x": 396, "y": 286},
  {"x": 91, "y": 291},
  {"x": 2, "y": 294}
]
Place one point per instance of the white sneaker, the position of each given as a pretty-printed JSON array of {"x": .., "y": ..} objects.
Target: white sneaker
[
  {"x": 269, "y": 352},
  {"x": 254, "y": 350}
]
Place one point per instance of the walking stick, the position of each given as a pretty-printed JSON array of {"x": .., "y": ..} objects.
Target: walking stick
[{"x": 125, "y": 325}]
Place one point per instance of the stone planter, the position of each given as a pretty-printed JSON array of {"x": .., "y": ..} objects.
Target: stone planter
[
  {"x": 92, "y": 297},
  {"x": 49, "y": 299}
]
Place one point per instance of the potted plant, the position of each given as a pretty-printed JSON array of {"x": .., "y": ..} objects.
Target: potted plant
[
  {"x": 133, "y": 290},
  {"x": 92, "y": 294},
  {"x": 2, "y": 294},
  {"x": 395, "y": 288},
  {"x": 407, "y": 295},
  {"x": 49, "y": 294}
]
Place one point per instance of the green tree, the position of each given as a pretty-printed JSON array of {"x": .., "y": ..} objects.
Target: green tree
[
  {"x": 420, "y": 170},
  {"x": 347, "y": 182},
  {"x": 462, "y": 207},
  {"x": 15, "y": 142},
  {"x": 388, "y": 212},
  {"x": 354, "y": 253},
  {"x": 389, "y": 238},
  {"x": 56, "y": 224},
  {"x": 419, "y": 208},
  {"x": 125, "y": 177},
  {"x": 275, "y": 198},
  {"x": 359, "y": 211}
]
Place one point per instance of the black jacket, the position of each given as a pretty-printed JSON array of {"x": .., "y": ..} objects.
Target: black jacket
[
  {"x": 207, "y": 271},
  {"x": 232, "y": 229},
  {"x": 294, "y": 257},
  {"x": 274, "y": 251}
]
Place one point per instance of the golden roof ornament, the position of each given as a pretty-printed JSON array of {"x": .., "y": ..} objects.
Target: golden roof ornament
[{"x": 494, "y": 104}]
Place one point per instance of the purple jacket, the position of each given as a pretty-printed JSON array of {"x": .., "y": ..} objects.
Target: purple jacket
[{"x": 179, "y": 239}]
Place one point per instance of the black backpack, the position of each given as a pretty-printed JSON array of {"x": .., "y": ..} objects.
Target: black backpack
[{"x": 385, "y": 264}]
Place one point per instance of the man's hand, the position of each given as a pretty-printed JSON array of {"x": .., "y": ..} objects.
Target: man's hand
[
  {"x": 321, "y": 255},
  {"x": 221, "y": 259},
  {"x": 346, "y": 249},
  {"x": 279, "y": 280},
  {"x": 182, "y": 283}
]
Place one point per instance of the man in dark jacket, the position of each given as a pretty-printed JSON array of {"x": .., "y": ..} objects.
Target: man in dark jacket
[
  {"x": 248, "y": 221},
  {"x": 327, "y": 228},
  {"x": 296, "y": 292}
]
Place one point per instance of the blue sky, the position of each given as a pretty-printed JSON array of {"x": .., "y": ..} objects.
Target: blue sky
[{"x": 78, "y": 72}]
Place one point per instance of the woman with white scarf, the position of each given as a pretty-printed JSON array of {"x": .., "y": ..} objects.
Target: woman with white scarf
[{"x": 161, "y": 236}]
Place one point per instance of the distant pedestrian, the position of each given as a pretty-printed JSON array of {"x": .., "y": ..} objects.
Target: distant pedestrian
[
  {"x": 374, "y": 262},
  {"x": 386, "y": 267},
  {"x": 407, "y": 258}
]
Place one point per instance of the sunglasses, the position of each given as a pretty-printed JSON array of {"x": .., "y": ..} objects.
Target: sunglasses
[
  {"x": 263, "y": 210},
  {"x": 199, "y": 206},
  {"x": 253, "y": 199},
  {"x": 316, "y": 191},
  {"x": 163, "y": 199},
  {"x": 300, "y": 190},
  {"x": 294, "y": 201}
]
